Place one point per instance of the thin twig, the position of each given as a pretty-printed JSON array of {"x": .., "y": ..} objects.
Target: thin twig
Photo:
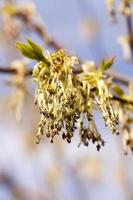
[
  {"x": 118, "y": 79},
  {"x": 115, "y": 75},
  {"x": 116, "y": 98},
  {"x": 9, "y": 70},
  {"x": 39, "y": 29}
]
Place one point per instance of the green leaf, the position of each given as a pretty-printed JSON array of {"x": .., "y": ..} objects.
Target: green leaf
[
  {"x": 32, "y": 51},
  {"x": 118, "y": 91},
  {"x": 106, "y": 64},
  {"x": 36, "y": 49},
  {"x": 26, "y": 50}
]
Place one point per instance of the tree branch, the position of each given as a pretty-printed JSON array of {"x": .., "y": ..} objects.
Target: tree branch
[
  {"x": 39, "y": 29},
  {"x": 116, "y": 76},
  {"x": 116, "y": 98},
  {"x": 42, "y": 32},
  {"x": 9, "y": 70}
]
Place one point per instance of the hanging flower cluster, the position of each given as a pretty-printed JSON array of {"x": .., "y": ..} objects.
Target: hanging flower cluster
[
  {"x": 102, "y": 95},
  {"x": 125, "y": 113},
  {"x": 66, "y": 100}
]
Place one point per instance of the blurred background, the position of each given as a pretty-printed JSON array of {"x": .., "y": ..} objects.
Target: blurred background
[{"x": 60, "y": 171}]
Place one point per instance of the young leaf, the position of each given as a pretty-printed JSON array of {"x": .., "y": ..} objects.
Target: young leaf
[
  {"x": 118, "y": 91},
  {"x": 36, "y": 49},
  {"x": 26, "y": 50},
  {"x": 32, "y": 51},
  {"x": 106, "y": 64}
]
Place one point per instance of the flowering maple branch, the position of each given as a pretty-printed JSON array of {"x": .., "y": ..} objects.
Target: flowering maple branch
[{"x": 116, "y": 76}]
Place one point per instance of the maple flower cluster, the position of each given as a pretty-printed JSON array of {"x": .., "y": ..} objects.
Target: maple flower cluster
[
  {"x": 125, "y": 113},
  {"x": 67, "y": 99}
]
